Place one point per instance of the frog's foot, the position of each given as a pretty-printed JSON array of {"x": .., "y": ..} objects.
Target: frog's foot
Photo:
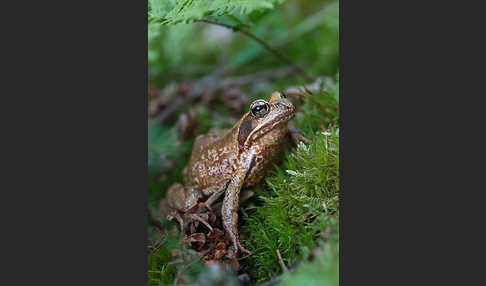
[
  {"x": 243, "y": 249},
  {"x": 232, "y": 235},
  {"x": 237, "y": 245},
  {"x": 200, "y": 219},
  {"x": 297, "y": 136}
]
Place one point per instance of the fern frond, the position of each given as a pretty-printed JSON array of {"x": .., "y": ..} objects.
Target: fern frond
[{"x": 176, "y": 11}]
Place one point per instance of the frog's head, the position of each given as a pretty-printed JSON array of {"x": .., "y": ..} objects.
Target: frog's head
[{"x": 263, "y": 117}]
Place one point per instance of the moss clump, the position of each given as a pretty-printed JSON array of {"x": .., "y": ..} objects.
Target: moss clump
[
  {"x": 159, "y": 271},
  {"x": 168, "y": 259},
  {"x": 321, "y": 109},
  {"x": 300, "y": 201},
  {"x": 322, "y": 271}
]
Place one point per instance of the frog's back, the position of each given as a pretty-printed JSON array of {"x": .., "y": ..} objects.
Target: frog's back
[{"x": 212, "y": 160}]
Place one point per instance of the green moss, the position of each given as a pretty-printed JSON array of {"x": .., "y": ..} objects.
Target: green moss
[
  {"x": 322, "y": 271},
  {"x": 170, "y": 259},
  {"x": 320, "y": 109},
  {"x": 299, "y": 200},
  {"x": 160, "y": 272}
]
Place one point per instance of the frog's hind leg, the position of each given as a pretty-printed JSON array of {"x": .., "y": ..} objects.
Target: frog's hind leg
[{"x": 181, "y": 200}]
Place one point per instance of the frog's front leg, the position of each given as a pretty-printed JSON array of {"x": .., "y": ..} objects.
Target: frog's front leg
[
  {"x": 229, "y": 210},
  {"x": 244, "y": 196}
]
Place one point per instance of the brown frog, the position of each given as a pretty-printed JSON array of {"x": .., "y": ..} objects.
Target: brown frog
[{"x": 225, "y": 161}]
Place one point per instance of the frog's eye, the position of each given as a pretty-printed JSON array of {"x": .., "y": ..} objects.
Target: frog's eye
[
  {"x": 259, "y": 108},
  {"x": 282, "y": 95}
]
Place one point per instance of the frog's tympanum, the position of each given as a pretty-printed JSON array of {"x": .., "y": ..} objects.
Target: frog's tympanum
[{"x": 227, "y": 161}]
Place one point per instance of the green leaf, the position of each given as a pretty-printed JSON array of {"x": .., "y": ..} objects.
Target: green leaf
[
  {"x": 159, "y": 8},
  {"x": 177, "y": 11}
]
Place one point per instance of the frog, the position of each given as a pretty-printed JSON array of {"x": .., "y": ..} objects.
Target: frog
[{"x": 227, "y": 161}]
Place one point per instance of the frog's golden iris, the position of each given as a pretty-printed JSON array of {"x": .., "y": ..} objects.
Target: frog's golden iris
[{"x": 259, "y": 108}]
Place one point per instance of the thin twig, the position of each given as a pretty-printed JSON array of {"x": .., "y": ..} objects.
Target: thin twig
[
  {"x": 157, "y": 245},
  {"x": 309, "y": 89},
  {"x": 277, "y": 53},
  {"x": 282, "y": 264},
  {"x": 214, "y": 82}
]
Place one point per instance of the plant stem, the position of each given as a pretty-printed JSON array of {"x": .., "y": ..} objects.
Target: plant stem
[{"x": 275, "y": 52}]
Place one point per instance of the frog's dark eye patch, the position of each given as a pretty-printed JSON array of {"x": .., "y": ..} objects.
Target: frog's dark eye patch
[
  {"x": 245, "y": 129},
  {"x": 259, "y": 108}
]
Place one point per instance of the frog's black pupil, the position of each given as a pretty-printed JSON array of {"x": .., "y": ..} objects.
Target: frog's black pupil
[{"x": 258, "y": 108}]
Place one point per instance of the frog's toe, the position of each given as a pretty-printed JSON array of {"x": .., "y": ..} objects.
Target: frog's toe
[
  {"x": 203, "y": 221},
  {"x": 203, "y": 205},
  {"x": 237, "y": 245},
  {"x": 240, "y": 247}
]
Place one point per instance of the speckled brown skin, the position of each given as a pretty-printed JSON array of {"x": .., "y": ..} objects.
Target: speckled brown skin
[{"x": 225, "y": 161}]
